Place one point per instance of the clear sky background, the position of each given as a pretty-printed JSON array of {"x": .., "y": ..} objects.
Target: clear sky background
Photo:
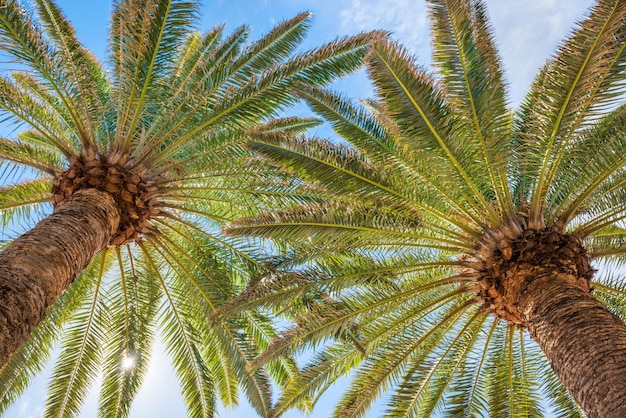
[{"x": 527, "y": 32}]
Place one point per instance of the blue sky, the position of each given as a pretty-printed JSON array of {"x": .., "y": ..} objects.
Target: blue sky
[{"x": 527, "y": 32}]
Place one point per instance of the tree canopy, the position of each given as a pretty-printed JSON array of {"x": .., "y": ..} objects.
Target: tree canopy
[
  {"x": 442, "y": 203},
  {"x": 160, "y": 128}
]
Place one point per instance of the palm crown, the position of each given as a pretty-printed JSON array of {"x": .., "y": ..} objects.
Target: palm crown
[
  {"x": 452, "y": 224},
  {"x": 160, "y": 130}
]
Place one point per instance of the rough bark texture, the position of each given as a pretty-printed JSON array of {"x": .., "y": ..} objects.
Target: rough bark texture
[
  {"x": 511, "y": 263},
  {"x": 37, "y": 267},
  {"x": 133, "y": 190},
  {"x": 584, "y": 342}
]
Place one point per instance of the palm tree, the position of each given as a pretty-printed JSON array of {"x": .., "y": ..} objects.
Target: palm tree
[
  {"x": 142, "y": 162},
  {"x": 453, "y": 225}
]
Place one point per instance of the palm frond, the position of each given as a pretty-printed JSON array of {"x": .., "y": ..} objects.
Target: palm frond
[
  {"x": 78, "y": 364},
  {"x": 31, "y": 357},
  {"x": 29, "y": 155},
  {"x": 25, "y": 109},
  {"x": 416, "y": 395},
  {"x": 325, "y": 319},
  {"x": 465, "y": 54},
  {"x": 182, "y": 343},
  {"x": 18, "y": 200},
  {"x": 469, "y": 392},
  {"x": 512, "y": 385},
  {"x": 384, "y": 367},
  {"x": 354, "y": 271},
  {"x": 605, "y": 207},
  {"x": 274, "y": 47},
  {"x": 344, "y": 170},
  {"x": 243, "y": 105},
  {"x": 376, "y": 139},
  {"x": 260, "y": 327},
  {"x": 129, "y": 311},
  {"x": 602, "y": 166},
  {"x": 338, "y": 223},
  {"x": 144, "y": 38},
  {"x": 205, "y": 72},
  {"x": 583, "y": 79},
  {"x": 84, "y": 75},
  {"x": 294, "y": 125},
  {"x": 226, "y": 349},
  {"x": 418, "y": 107},
  {"x": 332, "y": 363},
  {"x": 25, "y": 41}
]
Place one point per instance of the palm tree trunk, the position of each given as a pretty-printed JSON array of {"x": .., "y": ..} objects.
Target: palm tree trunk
[
  {"x": 584, "y": 342},
  {"x": 38, "y": 266}
]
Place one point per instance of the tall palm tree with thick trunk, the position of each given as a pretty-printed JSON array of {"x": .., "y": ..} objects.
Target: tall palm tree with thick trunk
[
  {"x": 141, "y": 163},
  {"x": 458, "y": 247}
]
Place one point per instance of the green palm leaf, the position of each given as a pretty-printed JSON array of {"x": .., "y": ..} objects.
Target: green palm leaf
[
  {"x": 577, "y": 84},
  {"x": 160, "y": 135},
  {"x": 19, "y": 200},
  {"x": 77, "y": 366},
  {"x": 130, "y": 311},
  {"x": 85, "y": 77},
  {"x": 35, "y": 353},
  {"x": 413, "y": 96},
  {"x": 469, "y": 64},
  {"x": 181, "y": 340},
  {"x": 445, "y": 198}
]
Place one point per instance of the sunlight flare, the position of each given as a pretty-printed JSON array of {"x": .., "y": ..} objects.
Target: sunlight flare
[{"x": 128, "y": 363}]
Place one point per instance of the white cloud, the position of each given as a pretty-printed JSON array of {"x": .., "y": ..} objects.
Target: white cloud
[
  {"x": 527, "y": 32},
  {"x": 25, "y": 410},
  {"x": 406, "y": 19}
]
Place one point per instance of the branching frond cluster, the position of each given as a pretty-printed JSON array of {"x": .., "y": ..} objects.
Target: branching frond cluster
[{"x": 161, "y": 128}]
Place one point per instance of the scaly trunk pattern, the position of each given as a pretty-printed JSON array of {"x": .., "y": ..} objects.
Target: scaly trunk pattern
[
  {"x": 38, "y": 266},
  {"x": 584, "y": 342}
]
